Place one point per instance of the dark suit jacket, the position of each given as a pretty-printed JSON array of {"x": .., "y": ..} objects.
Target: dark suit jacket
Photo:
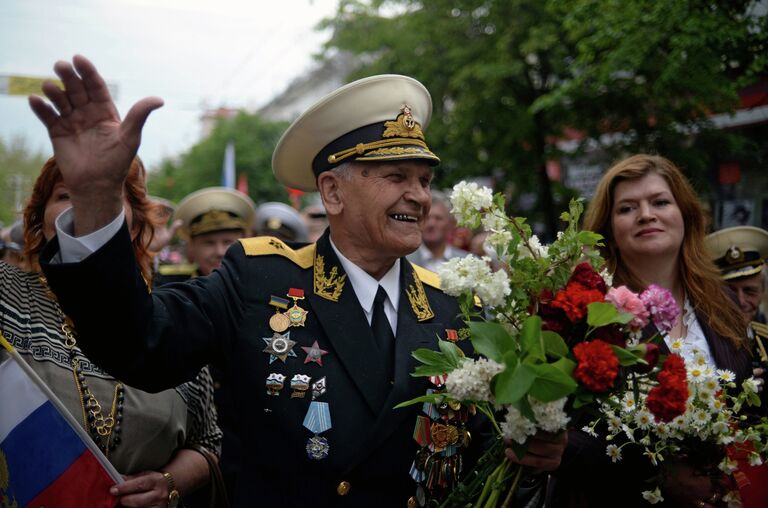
[
  {"x": 588, "y": 478},
  {"x": 157, "y": 340}
]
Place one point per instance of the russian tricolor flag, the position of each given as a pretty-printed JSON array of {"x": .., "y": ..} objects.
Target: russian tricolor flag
[{"x": 46, "y": 458}]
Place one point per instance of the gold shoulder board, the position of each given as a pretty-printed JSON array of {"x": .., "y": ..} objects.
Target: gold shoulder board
[
  {"x": 428, "y": 277},
  {"x": 183, "y": 269},
  {"x": 760, "y": 329},
  {"x": 269, "y": 246}
]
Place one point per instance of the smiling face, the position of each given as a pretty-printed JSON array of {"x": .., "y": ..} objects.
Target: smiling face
[
  {"x": 378, "y": 210},
  {"x": 645, "y": 219},
  {"x": 749, "y": 291}
]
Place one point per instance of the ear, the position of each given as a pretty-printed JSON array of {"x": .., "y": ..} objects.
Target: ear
[{"x": 331, "y": 191}]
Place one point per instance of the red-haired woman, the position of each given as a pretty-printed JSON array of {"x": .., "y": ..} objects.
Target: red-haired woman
[
  {"x": 147, "y": 436},
  {"x": 654, "y": 231}
]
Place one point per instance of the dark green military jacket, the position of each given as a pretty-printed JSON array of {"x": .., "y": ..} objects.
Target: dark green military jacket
[{"x": 157, "y": 339}]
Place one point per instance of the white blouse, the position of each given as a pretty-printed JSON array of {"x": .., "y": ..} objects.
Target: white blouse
[{"x": 694, "y": 342}]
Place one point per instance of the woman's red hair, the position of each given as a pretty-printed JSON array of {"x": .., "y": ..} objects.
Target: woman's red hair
[{"x": 144, "y": 212}]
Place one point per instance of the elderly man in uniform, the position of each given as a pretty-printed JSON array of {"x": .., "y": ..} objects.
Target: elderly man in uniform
[
  {"x": 740, "y": 253},
  {"x": 317, "y": 338}
]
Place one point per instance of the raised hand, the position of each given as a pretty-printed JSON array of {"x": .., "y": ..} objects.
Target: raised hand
[{"x": 92, "y": 146}]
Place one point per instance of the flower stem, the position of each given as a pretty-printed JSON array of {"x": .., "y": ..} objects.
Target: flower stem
[{"x": 513, "y": 488}]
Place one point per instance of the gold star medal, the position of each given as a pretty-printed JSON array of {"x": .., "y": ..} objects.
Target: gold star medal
[
  {"x": 296, "y": 315},
  {"x": 279, "y": 346},
  {"x": 279, "y": 322}
]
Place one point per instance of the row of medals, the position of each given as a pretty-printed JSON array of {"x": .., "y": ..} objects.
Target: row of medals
[{"x": 280, "y": 346}]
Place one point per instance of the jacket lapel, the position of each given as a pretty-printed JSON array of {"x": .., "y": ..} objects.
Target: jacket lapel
[
  {"x": 411, "y": 335},
  {"x": 346, "y": 326}
]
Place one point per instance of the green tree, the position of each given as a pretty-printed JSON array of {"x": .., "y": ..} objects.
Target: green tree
[
  {"x": 509, "y": 77},
  {"x": 201, "y": 166},
  {"x": 19, "y": 167}
]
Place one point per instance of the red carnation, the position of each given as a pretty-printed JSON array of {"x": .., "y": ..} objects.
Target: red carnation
[
  {"x": 668, "y": 400},
  {"x": 597, "y": 365},
  {"x": 574, "y": 300},
  {"x": 585, "y": 275}
]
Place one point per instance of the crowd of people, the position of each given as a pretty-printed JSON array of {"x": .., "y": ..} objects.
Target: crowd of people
[{"x": 275, "y": 351}]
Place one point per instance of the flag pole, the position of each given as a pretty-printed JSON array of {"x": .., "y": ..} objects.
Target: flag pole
[{"x": 70, "y": 419}]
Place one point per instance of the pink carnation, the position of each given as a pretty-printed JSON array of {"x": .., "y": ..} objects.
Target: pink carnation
[
  {"x": 626, "y": 301},
  {"x": 662, "y": 306}
]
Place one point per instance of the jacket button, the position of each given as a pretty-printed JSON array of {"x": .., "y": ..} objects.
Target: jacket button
[{"x": 343, "y": 488}]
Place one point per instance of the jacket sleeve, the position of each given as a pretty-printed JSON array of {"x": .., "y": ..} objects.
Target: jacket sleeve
[{"x": 153, "y": 340}]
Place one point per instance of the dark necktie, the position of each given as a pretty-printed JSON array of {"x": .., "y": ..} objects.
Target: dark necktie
[{"x": 382, "y": 332}]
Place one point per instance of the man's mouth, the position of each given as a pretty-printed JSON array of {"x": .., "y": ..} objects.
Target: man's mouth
[{"x": 404, "y": 218}]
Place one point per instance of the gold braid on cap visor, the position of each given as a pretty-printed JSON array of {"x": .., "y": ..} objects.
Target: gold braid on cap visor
[
  {"x": 216, "y": 220},
  {"x": 362, "y": 148}
]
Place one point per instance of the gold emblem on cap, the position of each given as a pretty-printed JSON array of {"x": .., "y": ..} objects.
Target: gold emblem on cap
[
  {"x": 328, "y": 286},
  {"x": 404, "y": 126},
  {"x": 734, "y": 254}
]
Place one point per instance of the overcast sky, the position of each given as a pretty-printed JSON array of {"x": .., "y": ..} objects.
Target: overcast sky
[{"x": 195, "y": 54}]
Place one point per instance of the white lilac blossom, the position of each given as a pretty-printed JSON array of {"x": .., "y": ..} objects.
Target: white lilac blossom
[
  {"x": 471, "y": 273},
  {"x": 472, "y": 381},
  {"x": 516, "y": 427},
  {"x": 550, "y": 416},
  {"x": 468, "y": 200}
]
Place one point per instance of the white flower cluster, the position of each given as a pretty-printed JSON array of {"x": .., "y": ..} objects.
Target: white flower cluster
[
  {"x": 496, "y": 222},
  {"x": 550, "y": 417},
  {"x": 471, "y": 273},
  {"x": 709, "y": 417},
  {"x": 468, "y": 200},
  {"x": 472, "y": 381}
]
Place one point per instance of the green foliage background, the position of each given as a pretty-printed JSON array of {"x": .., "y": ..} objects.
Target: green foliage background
[{"x": 255, "y": 139}]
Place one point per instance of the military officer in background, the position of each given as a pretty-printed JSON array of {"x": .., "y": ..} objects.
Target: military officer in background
[
  {"x": 317, "y": 339},
  {"x": 281, "y": 221},
  {"x": 740, "y": 253},
  {"x": 210, "y": 221}
]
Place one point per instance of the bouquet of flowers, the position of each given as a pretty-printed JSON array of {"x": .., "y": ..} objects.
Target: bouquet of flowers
[
  {"x": 554, "y": 339},
  {"x": 694, "y": 411}
]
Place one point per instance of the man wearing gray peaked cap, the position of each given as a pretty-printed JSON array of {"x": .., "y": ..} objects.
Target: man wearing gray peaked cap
[
  {"x": 316, "y": 338},
  {"x": 281, "y": 221}
]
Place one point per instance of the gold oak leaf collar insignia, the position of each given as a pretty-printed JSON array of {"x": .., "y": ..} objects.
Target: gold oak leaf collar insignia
[
  {"x": 418, "y": 299},
  {"x": 328, "y": 286}
]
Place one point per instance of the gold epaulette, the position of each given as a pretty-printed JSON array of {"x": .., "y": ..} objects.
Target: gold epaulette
[
  {"x": 269, "y": 245},
  {"x": 760, "y": 329},
  {"x": 430, "y": 278},
  {"x": 182, "y": 269}
]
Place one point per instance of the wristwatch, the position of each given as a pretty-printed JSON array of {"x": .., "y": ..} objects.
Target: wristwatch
[{"x": 173, "y": 493}]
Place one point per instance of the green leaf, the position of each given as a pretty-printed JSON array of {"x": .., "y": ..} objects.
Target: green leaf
[
  {"x": 429, "y": 370},
  {"x": 589, "y": 237},
  {"x": 513, "y": 384},
  {"x": 430, "y": 357},
  {"x": 566, "y": 365},
  {"x": 432, "y": 398},
  {"x": 551, "y": 383},
  {"x": 451, "y": 351},
  {"x": 583, "y": 399},
  {"x": 554, "y": 345},
  {"x": 530, "y": 338},
  {"x": 602, "y": 314},
  {"x": 627, "y": 357},
  {"x": 491, "y": 340}
]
